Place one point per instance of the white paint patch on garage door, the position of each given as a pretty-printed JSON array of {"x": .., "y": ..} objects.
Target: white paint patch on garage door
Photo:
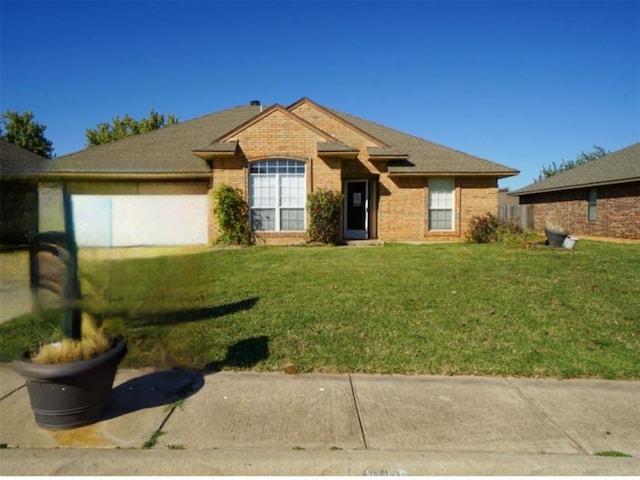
[
  {"x": 92, "y": 220},
  {"x": 159, "y": 220},
  {"x": 140, "y": 220}
]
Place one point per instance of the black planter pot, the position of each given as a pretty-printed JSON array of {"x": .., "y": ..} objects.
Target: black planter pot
[
  {"x": 73, "y": 394},
  {"x": 555, "y": 237}
]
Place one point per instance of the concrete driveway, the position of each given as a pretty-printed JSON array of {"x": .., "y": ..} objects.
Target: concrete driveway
[{"x": 15, "y": 295}]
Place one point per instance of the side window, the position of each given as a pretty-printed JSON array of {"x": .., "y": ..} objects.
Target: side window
[
  {"x": 440, "y": 203},
  {"x": 592, "y": 205}
]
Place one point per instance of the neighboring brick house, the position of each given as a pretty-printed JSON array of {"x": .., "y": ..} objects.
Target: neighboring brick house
[
  {"x": 600, "y": 198},
  {"x": 148, "y": 188}
]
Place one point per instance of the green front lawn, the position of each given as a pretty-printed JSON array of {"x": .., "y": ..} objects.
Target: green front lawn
[{"x": 442, "y": 309}]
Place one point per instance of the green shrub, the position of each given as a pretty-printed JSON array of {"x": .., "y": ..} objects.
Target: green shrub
[
  {"x": 487, "y": 228},
  {"x": 324, "y": 208},
  {"x": 511, "y": 232},
  {"x": 483, "y": 229},
  {"x": 232, "y": 215}
]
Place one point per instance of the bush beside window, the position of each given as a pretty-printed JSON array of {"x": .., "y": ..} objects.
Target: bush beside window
[
  {"x": 324, "y": 208},
  {"x": 232, "y": 215}
]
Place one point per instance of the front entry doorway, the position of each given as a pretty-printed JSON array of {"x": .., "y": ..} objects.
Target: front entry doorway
[{"x": 356, "y": 220}]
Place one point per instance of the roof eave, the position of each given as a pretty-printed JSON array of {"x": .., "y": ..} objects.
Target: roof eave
[
  {"x": 209, "y": 155},
  {"x": 388, "y": 157},
  {"x": 130, "y": 176},
  {"x": 423, "y": 173},
  {"x": 576, "y": 187},
  {"x": 348, "y": 155}
]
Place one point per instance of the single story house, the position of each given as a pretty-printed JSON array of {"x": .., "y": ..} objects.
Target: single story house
[
  {"x": 155, "y": 188},
  {"x": 600, "y": 198},
  {"x": 18, "y": 193}
]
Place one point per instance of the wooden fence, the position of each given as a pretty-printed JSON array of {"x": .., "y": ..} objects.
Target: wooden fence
[{"x": 519, "y": 214}]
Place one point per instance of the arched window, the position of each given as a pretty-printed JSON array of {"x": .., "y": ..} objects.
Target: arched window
[{"x": 277, "y": 195}]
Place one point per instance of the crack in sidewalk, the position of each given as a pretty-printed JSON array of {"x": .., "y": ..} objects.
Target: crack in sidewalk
[
  {"x": 13, "y": 391},
  {"x": 355, "y": 403},
  {"x": 530, "y": 401}
]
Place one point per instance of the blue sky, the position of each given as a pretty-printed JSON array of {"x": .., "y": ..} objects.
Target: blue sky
[{"x": 522, "y": 83}]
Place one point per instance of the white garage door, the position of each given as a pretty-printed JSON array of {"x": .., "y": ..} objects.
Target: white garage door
[{"x": 140, "y": 220}]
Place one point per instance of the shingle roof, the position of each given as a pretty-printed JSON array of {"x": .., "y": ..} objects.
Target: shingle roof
[
  {"x": 621, "y": 166},
  {"x": 427, "y": 157},
  {"x": 164, "y": 151},
  {"x": 170, "y": 150},
  {"x": 336, "y": 147},
  {"x": 218, "y": 147},
  {"x": 385, "y": 152},
  {"x": 17, "y": 162}
]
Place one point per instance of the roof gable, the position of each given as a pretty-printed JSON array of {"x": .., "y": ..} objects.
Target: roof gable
[
  {"x": 622, "y": 166},
  {"x": 275, "y": 131},
  {"x": 336, "y": 126},
  {"x": 236, "y": 132}
]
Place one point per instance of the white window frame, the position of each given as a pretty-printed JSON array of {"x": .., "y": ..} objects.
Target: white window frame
[
  {"x": 441, "y": 198},
  {"x": 276, "y": 172}
]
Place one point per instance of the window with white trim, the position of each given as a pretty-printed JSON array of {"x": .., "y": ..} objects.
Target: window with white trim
[
  {"x": 277, "y": 195},
  {"x": 441, "y": 203}
]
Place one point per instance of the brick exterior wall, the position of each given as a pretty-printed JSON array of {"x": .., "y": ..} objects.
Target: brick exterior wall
[
  {"x": 398, "y": 205},
  {"x": 402, "y": 208},
  {"x": 617, "y": 211},
  {"x": 478, "y": 196}
]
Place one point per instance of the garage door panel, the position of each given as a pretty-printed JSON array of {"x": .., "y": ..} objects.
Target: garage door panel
[
  {"x": 92, "y": 220},
  {"x": 140, "y": 220},
  {"x": 160, "y": 220}
]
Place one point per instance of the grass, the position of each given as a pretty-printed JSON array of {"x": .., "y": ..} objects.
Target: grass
[
  {"x": 612, "y": 453},
  {"x": 449, "y": 309},
  {"x": 153, "y": 440}
]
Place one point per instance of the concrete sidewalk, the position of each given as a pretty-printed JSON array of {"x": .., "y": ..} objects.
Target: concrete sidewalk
[{"x": 276, "y": 424}]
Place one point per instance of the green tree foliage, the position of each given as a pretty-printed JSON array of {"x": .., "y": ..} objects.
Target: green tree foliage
[
  {"x": 324, "y": 207},
  {"x": 120, "y": 128},
  {"x": 581, "y": 159},
  {"x": 21, "y": 129},
  {"x": 232, "y": 215}
]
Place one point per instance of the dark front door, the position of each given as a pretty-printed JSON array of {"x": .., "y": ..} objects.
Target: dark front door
[{"x": 357, "y": 208}]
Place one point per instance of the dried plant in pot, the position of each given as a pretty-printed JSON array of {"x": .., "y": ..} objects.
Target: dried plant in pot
[
  {"x": 555, "y": 234},
  {"x": 69, "y": 381}
]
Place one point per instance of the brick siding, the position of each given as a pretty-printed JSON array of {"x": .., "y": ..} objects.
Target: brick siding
[
  {"x": 617, "y": 211},
  {"x": 478, "y": 196}
]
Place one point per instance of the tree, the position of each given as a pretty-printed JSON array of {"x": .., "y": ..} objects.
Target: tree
[
  {"x": 565, "y": 165},
  {"x": 126, "y": 127},
  {"x": 21, "y": 129}
]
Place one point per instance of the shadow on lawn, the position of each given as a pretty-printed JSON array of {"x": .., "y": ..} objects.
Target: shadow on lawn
[
  {"x": 191, "y": 315},
  {"x": 243, "y": 354},
  {"x": 171, "y": 386}
]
